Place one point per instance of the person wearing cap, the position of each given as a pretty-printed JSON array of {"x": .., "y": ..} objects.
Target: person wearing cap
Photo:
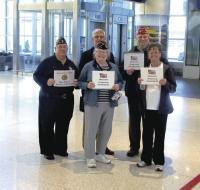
[
  {"x": 56, "y": 103},
  {"x": 87, "y": 56},
  {"x": 132, "y": 91},
  {"x": 99, "y": 105}
]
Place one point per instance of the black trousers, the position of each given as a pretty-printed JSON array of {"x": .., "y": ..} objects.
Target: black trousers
[
  {"x": 54, "y": 118},
  {"x": 154, "y": 129},
  {"x": 135, "y": 116}
]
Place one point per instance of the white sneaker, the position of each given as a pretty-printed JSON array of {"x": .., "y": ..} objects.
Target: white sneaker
[
  {"x": 159, "y": 168},
  {"x": 91, "y": 163},
  {"x": 101, "y": 158},
  {"x": 142, "y": 164}
]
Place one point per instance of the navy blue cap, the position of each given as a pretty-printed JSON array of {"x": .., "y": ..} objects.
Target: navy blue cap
[{"x": 61, "y": 40}]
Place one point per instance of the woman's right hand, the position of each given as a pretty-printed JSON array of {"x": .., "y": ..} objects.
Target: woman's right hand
[{"x": 90, "y": 85}]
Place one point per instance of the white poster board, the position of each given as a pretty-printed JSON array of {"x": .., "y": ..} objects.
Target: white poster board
[
  {"x": 133, "y": 60},
  {"x": 63, "y": 78},
  {"x": 103, "y": 79}
]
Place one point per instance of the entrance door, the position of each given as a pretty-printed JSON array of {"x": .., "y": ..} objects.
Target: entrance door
[
  {"x": 60, "y": 24},
  {"x": 119, "y": 41}
]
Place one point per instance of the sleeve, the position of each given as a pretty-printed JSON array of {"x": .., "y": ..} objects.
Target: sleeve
[
  {"x": 39, "y": 74},
  {"x": 119, "y": 78},
  {"x": 82, "y": 62},
  {"x": 76, "y": 71},
  {"x": 171, "y": 81},
  {"x": 82, "y": 82}
]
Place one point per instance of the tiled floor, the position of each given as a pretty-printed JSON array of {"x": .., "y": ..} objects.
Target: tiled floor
[{"x": 23, "y": 168}]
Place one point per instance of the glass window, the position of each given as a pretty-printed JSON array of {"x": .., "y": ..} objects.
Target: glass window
[
  {"x": 129, "y": 33},
  {"x": 91, "y": 1},
  {"x": 68, "y": 33},
  {"x": 10, "y": 43},
  {"x": 10, "y": 9},
  {"x": 180, "y": 9},
  {"x": 176, "y": 49},
  {"x": 2, "y": 30},
  {"x": 177, "y": 28},
  {"x": 30, "y": 40},
  {"x": 174, "y": 31},
  {"x": 60, "y": 24},
  {"x": 61, "y": 0},
  {"x": 127, "y": 5},
  {"x": 30, "y": 31},
  {"x": 31, "y": 1},
  {"x": 2, "y": 43}
]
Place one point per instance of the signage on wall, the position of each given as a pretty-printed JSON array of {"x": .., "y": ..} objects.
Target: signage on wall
[
  {"x": 119, "y": 19},
  {"x": 97, "y": 16}
]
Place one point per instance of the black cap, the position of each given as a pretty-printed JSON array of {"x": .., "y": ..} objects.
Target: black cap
[
  {"x": 102, "y": 45},
  {"x": 61, "y": 40}
]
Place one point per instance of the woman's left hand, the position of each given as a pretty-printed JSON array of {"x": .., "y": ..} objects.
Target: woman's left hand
[
  {"x": 163, "y": 82},
  {"x": 115, "y": 87}
]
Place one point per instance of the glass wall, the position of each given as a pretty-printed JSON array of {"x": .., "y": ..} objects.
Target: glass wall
[
  {"x": 60, "y": 0},
  {"x": 177, "y": 28},
  {"x": 130, "y": 33},
  {"x": 193, "y": 35},
  {"x": 9, "y": 27},
  {"x": 31, "y": 1},
  {"x": 6, "y": 35},
  {"x": 30, "y": 40},
  {"x": 6, "y": 22},
  {"x": 163, "y": 27},
  {"x": 3, "y": 27},
  {"x": 60, "y": 24}
]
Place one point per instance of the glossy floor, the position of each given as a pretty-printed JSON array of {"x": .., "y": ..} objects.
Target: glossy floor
[{"x": 23, "y": 168}]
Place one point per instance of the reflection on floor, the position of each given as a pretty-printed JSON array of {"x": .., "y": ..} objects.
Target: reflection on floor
[{"x": 22, "y": 167}]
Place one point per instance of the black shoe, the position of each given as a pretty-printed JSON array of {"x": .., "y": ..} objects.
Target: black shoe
[
  {"x": 49, "y": 157},
  {"x": 64, "y": 154},
  {"x": 109, "y": 152},
  {"x": 132, "y": 153}
]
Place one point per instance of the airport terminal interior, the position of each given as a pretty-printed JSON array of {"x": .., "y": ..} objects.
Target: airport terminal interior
[{"x": 28, "y": 34}]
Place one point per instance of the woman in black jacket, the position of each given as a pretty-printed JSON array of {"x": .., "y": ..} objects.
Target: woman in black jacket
[{"x": 156, "y": 107}]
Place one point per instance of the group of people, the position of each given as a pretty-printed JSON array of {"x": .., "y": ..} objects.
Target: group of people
[{"x": 150, "y": 104}]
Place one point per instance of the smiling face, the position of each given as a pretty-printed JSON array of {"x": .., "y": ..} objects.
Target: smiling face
[
  {"x": 61, "y": 51},
  {"x": 142, "y": 41},
  {"x": 101, "y": 56},
  {"x": 154, "y": 55}
]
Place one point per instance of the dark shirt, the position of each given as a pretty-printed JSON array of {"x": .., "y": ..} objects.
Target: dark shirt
[
  {"x": 88, "y": 56},
  {"x": 45, "y": 70}
]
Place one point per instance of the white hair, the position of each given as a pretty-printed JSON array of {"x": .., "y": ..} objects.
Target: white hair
[{"x": 97, "y": 30}]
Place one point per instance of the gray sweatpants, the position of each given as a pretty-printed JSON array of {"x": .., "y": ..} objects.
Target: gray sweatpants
[{"x": 97, "y": 120}]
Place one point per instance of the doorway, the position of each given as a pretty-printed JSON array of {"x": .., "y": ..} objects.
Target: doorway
[{"x": 119, "y": 41}]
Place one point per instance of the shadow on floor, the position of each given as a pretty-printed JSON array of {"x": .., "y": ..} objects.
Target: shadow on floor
[{"x": 188, "y": 88}]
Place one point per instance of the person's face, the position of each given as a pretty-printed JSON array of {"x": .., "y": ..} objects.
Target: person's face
[
  {"x": 61, "y": 50},
  {"x": 101, "y": 56},
  {"x": 143, "y": 40},
  {"x": 98, "y": 36},
  {"x": 154, "y": 55}
]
